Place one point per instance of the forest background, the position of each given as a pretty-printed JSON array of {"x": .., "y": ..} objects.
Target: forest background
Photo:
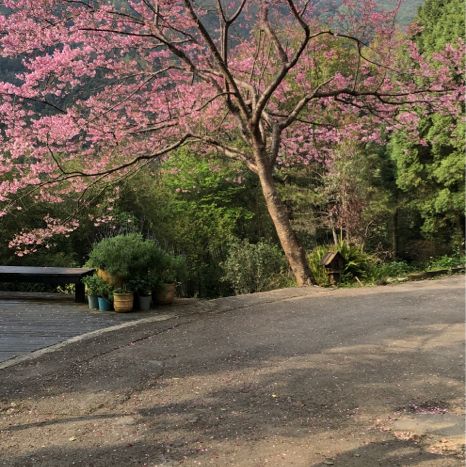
[{"x": 389, "y": 207}]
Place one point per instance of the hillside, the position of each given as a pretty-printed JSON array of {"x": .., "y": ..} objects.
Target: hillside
[
  {"x": 8, "y": 68},
  {"x": 407, "y": 11}
]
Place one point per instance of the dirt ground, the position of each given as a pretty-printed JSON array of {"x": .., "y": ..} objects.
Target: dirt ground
[{"x": 302, "y": 377}]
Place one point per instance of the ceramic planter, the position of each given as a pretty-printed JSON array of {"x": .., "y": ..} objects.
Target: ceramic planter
[
  {"x": 93, "y": 302},
  {"x": 104, "y": 304}
]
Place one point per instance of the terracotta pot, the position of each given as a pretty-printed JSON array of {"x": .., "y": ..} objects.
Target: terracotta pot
[
  {"x": 123, "y": 302},
  {"x": 165, "y": 294}
]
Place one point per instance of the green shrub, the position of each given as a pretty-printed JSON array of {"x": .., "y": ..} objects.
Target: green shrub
[
  {"x": 126, "y": 256},
  {"x": 445, "y": 262},
  {"x": 358, "y": 263},
  {"x": 254, "y": 267},
  {"x": 380, "y": 272},
  {"x": 172, "y": 268},
  {"x": 103, "y": 289},
  {"x": 318, "y": 272},
  {"x": 93, "y": 284},
  {"x": 143, "y": 285}
]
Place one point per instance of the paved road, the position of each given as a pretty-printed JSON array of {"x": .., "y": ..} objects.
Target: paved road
[{"x": 296, "y": 378}]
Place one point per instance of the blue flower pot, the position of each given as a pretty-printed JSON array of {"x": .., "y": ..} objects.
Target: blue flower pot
[{"x": 104, "y": 304}]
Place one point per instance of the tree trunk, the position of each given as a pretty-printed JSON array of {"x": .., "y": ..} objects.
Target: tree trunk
[
  {"x": 294, "y": 252},
  {"x": 395, "y": 233}
]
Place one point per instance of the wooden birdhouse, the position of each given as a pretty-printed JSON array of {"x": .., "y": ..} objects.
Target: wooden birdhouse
[{"x": 334, "y": 264}]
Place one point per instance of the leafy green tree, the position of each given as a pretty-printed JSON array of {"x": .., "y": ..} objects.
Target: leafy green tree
[
  {"x": 430, "y": 170},
  {"x": 193, "y": 207},
  {"x": 440, "y": 22},
  {"x": 432, "y": 176}
]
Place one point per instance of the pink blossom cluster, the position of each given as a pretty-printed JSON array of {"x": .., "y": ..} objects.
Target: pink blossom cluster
[
  {"x": 106, "y": 87},
  {"x": 27, "y": 242}
]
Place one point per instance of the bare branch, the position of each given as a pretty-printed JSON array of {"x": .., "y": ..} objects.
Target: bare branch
[
  {"x": 301, "y": 104},
  {"x": 273, "y": 36},
  {"x": 218, "y": 58},
  {"x": 159, "y": 153},
  {"x": 34, "y": 99},
  {"x": 235, "y": 15},
  {"x": 229, "y": 151},
  {"x": 267, "y": 94}
]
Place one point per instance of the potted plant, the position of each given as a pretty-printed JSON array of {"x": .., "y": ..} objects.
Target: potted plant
[
  {"x": 92, "y": 284},
  {"x": 123, "y": 299},
  {"x": 172, "y": 270},
  {"x": 123, "y": 257},
  {"x": 104, "y": 294},
  {"x": 143, "y": 292}
]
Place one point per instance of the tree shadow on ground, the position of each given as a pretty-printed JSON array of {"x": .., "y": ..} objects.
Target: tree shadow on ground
[
  {"x": 386, "y": 453},
  {"x": 293, "y": 403},
  {"x": 211, "y": 343},
  {"x": 391, "y": 453},
  {"x": 202, "y": 387}
]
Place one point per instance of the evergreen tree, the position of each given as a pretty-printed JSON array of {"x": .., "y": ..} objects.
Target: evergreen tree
[
  {"x": 430, "y": 173},
  {"x": 441, "y": 22}
]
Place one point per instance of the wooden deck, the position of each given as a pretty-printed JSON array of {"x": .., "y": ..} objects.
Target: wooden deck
[{"x": 30, "y": 322}]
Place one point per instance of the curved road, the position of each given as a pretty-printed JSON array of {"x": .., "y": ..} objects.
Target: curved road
[{"x": 304, "y": 377}]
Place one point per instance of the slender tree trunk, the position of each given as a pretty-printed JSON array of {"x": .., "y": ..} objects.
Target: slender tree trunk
[
  {"x": 294, "y": 252},
  {"x": 395, "y": 233}
]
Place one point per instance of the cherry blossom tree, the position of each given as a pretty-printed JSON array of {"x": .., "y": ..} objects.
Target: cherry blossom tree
[{"x": 106, "y": 87}]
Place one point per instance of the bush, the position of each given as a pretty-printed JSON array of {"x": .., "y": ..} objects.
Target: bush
[
  {"x": 318, "y": 272},
  {"x": 445, "y": 262},
  {"x": 173, "y": 269},
  {"x": 254, "y": 267},
  {"x": 93, "y": 284},
  {"x": 382, "y": 271},
  {"x": 126, "y": 256}
]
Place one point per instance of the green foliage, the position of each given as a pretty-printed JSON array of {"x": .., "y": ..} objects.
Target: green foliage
[
  {"x": 314, "y": 259},
  {"x": 446, "y": 262},
  {"x": 172, "y": 269},
  {"x": 192, "y": 205},
  {"x": 442, "y": 22},
  {"x": 432, "y": 177},
  {"x": 358, "y": 189},
  {"x": 358, "y": 263},
  {"x": 253, "y": 267},
  {"x": 143, "y": 285},
  {"x": 93, "y": 284},
  {"x": 381, "y": 272},
  {"x": 126, "y": 256},
  {"x": 103, "y": 289}
]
